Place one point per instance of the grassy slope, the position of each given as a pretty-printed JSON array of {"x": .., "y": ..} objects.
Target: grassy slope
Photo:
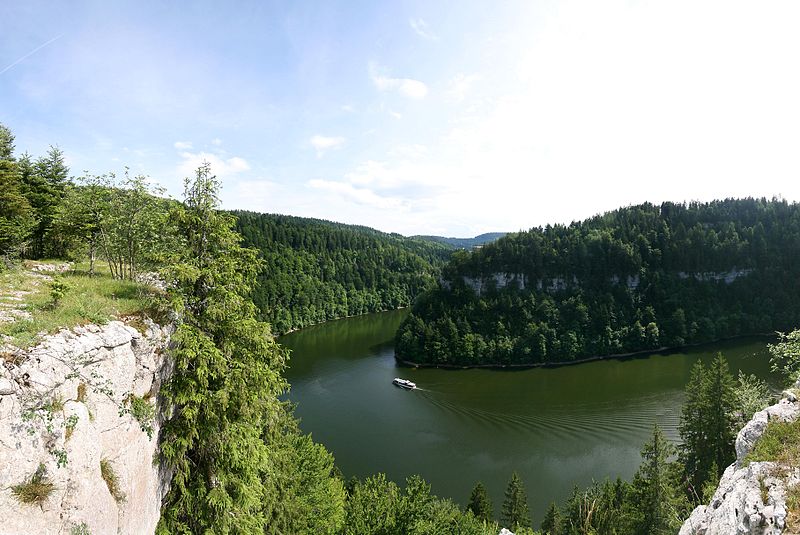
[{"x": 87, "y": 299}]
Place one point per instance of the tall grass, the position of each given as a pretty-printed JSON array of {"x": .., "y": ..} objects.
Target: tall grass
[{"x": 77, "y": 299}]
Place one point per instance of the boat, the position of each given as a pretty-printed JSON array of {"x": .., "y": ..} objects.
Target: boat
[{"x": 404, "y": 383}]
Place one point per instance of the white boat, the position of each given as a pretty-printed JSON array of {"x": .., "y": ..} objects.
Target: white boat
[{"x": 404, "y": 383}]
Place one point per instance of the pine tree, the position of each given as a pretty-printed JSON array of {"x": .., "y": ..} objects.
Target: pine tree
[
  {"x": 654, "y": 491},
  {"x": 706, "y": 423},
  {"x": 551, "y": 524},
  {"x": 479, "y": 503},
  {"x": 515, "y": 505},
  {"x": 16, "y": 213},
  {"x": 226, "y": 379},
  {"x": 44, "y": 182}
]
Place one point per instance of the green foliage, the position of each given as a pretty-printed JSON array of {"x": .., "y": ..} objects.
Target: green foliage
[
  {"x": 657, "y": 503},
  {"x": 142, "y": 410},
  {"x": 635, "y": 279},
  {"x": 43, "y": 184},
  {"x": 109, "y": 475},
  {"x": 551, "y": 523},
  {"x": 785, "y": 355},
  {"x": 314, "y": 270},
  {"x": 779, "y": 443},
  {"x": 36, "y": 490},
  {"x": 377, "y": 506},
  {"x": 706, "y": 426},
  {"x": 17, "y": 217},
  {"x": 751, "y": 395},
  {"x": 601, "y": 508},
  {"x": 515, "y": 512},
  {"x": 58, "y": 289},
  {"x": 80, "y": 529},
  {"x": 302, "y": 493},
  {"x": 227, "y": 376},
  {"x": 479, "y": 503}
]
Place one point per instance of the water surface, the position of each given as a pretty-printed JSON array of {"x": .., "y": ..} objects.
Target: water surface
[{"x": 557, "y": 427}]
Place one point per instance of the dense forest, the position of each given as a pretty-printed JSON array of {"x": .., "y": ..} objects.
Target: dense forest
[
  {"x": 316, "y": 270},
  {"x": 638, "y": 278}
]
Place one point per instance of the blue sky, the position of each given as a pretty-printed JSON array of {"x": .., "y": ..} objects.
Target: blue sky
[{"x": 450, "y": 118}]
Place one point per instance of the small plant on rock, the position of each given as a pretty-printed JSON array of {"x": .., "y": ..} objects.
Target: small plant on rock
[
  {"x": 142, "y": 410},
  {"x": 111, "y": 479},
  {"x": 36, "y": 490}
]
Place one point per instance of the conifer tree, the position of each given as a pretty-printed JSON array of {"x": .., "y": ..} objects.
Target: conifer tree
[
  {"x": 16, "y": 214},
  {"x": 654, "y": 491},
  {"x": 551, "y": 524},
  {"x": 227, "y": 376},
  {"x": 515, "y": 505},
  {"x": 706, "y": 423},
  {"x": 479, "y": 503}
]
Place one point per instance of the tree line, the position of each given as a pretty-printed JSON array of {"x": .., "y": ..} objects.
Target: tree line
[
  {"x": 638, "y": 278},
  {"x": 315, "y": 270}
]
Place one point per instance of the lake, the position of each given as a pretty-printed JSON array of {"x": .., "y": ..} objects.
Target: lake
[{"x": 557, "y": 427}]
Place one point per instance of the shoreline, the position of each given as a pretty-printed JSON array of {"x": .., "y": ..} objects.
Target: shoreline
[
  {"x": 617, "y": 356},
  {"x": 276, "y": 336}
]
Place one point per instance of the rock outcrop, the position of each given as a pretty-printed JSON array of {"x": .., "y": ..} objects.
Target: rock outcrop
[
  {"x": 82, "y": 398},
  {"x": 751, "y": 498}
]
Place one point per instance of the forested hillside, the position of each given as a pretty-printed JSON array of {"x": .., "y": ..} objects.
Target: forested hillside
[
  {"x": 637, "y": 278},
  {"x": 317, "y": 270}
]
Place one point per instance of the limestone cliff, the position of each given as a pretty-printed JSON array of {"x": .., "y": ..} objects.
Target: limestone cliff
[
  {"x": 79, "y": 413},
  {"x": 750, "y": 499}
]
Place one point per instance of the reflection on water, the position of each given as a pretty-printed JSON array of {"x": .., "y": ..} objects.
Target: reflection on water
[{"x": 557, "y": 427}]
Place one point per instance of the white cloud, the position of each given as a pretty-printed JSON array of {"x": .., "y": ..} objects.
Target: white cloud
[
  {"x": 347, "y": 108},
  {"x": 396, "y": 114},
  {"x": 459, "y": 86},
  {"x": 183, "y": 145},
  {"x": 216, "y": 142},
  {"x": 222, "y": 167},
  {"x": 359, "y": 195},
  {"x": 407, "y": 87},
  {"x": 421, "y": 28},
  {"x": 324, "y": 143}
]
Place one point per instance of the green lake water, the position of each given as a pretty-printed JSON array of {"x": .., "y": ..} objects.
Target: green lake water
[{"x": 556, "y": 427}]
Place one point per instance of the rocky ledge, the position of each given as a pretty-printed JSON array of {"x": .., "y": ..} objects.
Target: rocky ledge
[
  {"x": 750, "y": 498},
  {"x": 79, "y": 419}
]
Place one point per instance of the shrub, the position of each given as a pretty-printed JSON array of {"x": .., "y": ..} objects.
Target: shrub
[
  {"x": 111, "y": 479},
  {"x": 36, "y": 490}
]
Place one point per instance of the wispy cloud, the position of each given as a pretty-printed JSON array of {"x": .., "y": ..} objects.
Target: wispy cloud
[
  {"x": 216, "y": 142},
  {"x": 460, "y": 85},
  {"x": 222, "y": 167},
  {"x": 360, "y": 195},
  {"x": 422, "y": 29},
  {"x": 32, "y": 52},
  {"x": 405, "y": 86},
  {"x": 183, "y": 145},
  {"x": 324, "y": 143}
]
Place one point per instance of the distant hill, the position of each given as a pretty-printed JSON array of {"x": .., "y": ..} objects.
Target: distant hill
[
  {"x": 317, "y": 270},
  {"x": 638, "y": 278},
  {"x": 466, "y": 243}
]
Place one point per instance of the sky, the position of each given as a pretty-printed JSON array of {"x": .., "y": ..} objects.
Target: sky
[{"x": 418, "y": 117}]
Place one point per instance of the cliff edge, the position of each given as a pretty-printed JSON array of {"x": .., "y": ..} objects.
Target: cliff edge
[
  {"x": 79, "y": 421},
  {"x": 752, "y": 496}
]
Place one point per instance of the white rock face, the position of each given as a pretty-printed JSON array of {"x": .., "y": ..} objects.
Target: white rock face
[
  {"x": 62, "y": 401},
  {"x": 739, "y": 507}
]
